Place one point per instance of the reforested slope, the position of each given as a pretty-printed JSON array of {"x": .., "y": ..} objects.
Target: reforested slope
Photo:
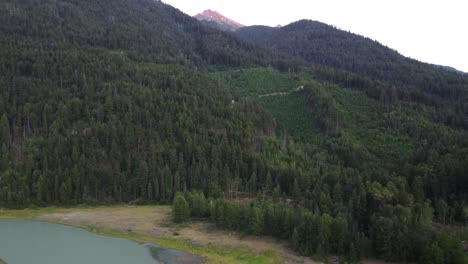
[
  {"x": 391, "y": 167},
  {"x": 321, "y": 44}
]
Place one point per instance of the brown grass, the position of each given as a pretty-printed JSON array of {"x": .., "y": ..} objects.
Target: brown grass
[{"x": 155, "y": 220}]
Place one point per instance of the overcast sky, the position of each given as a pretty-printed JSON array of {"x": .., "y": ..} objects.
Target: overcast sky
[{"x": 428, "y": 30}]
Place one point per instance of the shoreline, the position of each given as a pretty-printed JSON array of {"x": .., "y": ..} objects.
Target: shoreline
[
  {"x": 209, "y": 253},
  {"x": 159, "y": 253}
]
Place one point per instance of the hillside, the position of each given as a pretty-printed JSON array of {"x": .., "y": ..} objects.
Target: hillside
[
  {"x": 90, "y": 111},
  {"x": 324, "y": 45},
  {"x": 449, "y": 69},
  {"x": 106, "y": 102},
  {"x": 146, "y": 30},
  {"x": 345, "y": 144}
]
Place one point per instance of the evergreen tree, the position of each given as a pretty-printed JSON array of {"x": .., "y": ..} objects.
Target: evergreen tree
[
  {"x": 4, "y": 131},
  {"x": 433, "y": 254},
  {"x": 256, "y": 221},
  {"x": 199, "y": 205},
  {"x": 180, "y": 209}
]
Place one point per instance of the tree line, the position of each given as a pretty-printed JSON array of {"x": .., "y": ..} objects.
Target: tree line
[
  {"x": 321, "y": 235},
  {"x": 109, "y": 102}
]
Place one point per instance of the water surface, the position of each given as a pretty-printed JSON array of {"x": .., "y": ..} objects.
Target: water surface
[{"x": 26, "y": 242}]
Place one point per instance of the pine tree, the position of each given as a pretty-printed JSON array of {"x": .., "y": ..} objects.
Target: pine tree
[
  {"x": 256, "y": 221},
  {"x": 4, "y": 131},
  {"x": 276, "y": 193},
  {"x": 199, "y": 205},
  {"x": 296, "y": 241},
  {"x": 252, "y": 184},
  {"x": 269, "y": 183},
  {"x": 180, "y": 209},
  {"x": 433, "y": 255},
  {"x": 296, "y": 192}
]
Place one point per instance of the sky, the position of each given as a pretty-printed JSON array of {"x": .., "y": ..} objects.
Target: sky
[{"x": 433, "y": 31}]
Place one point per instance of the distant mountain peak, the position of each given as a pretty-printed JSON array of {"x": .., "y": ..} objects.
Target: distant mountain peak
[{"x": 220, "y": 21}]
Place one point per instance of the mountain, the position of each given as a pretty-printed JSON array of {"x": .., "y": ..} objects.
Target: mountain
[
  {"x": 449, "y": 69},
  {"x": 104, "y": 101},
  {"x": 349, "y": 148},
  {"x": 216, "y": 20},
  {"x": 321, "y": 44},
  {"x": 160, "y": 33}
]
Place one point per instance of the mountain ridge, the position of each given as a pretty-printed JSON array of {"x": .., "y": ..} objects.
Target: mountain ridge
[
  {"x": 449, "y": 69},
  {"x": 320, "y": 44},
  {"x": 119, "y": 101}
]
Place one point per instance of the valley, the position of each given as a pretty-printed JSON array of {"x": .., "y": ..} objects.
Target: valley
[{"x": 289, "y": 144}]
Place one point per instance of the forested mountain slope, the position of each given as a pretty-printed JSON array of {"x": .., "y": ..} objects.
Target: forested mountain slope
[
  {"x": 405, "y": 79},
  {"x": 322, "y": 44},
  {"x": 146, "y": 30},
  {"x": 88, "y": 114},
  {"x": 132, "y": 101},
  {"x": 390, "y": 167}
]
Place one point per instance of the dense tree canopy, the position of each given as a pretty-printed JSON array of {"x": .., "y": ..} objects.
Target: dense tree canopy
[
  {"x": 379, "y": 70},
  {"x": 133, "y": 101},
  {"x": 180, "y": 209}
]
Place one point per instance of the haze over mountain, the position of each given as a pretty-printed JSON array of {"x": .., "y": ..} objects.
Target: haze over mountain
[{"x": 306, "y": 133}]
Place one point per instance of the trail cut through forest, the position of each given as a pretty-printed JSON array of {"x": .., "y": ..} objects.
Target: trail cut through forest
[{"x": 298, "y": 89}]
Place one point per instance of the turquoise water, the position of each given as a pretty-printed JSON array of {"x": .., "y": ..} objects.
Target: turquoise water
[{"x": 32, "y": 242}]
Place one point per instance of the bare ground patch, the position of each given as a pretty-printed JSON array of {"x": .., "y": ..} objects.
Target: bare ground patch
[{"x": 155, "y": 220}]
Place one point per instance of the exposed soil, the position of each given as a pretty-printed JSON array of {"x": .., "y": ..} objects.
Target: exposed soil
[
  {"x": 275, "y": 94},
  {"x": 295, "y": 90},
  {"x": 155, "y": 220}
]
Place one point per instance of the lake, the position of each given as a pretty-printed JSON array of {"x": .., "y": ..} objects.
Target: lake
[{"x": 26, "y": 242}]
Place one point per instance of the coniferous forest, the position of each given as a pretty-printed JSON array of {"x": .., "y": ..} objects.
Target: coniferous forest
[{"x": 306, "y": 133}]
